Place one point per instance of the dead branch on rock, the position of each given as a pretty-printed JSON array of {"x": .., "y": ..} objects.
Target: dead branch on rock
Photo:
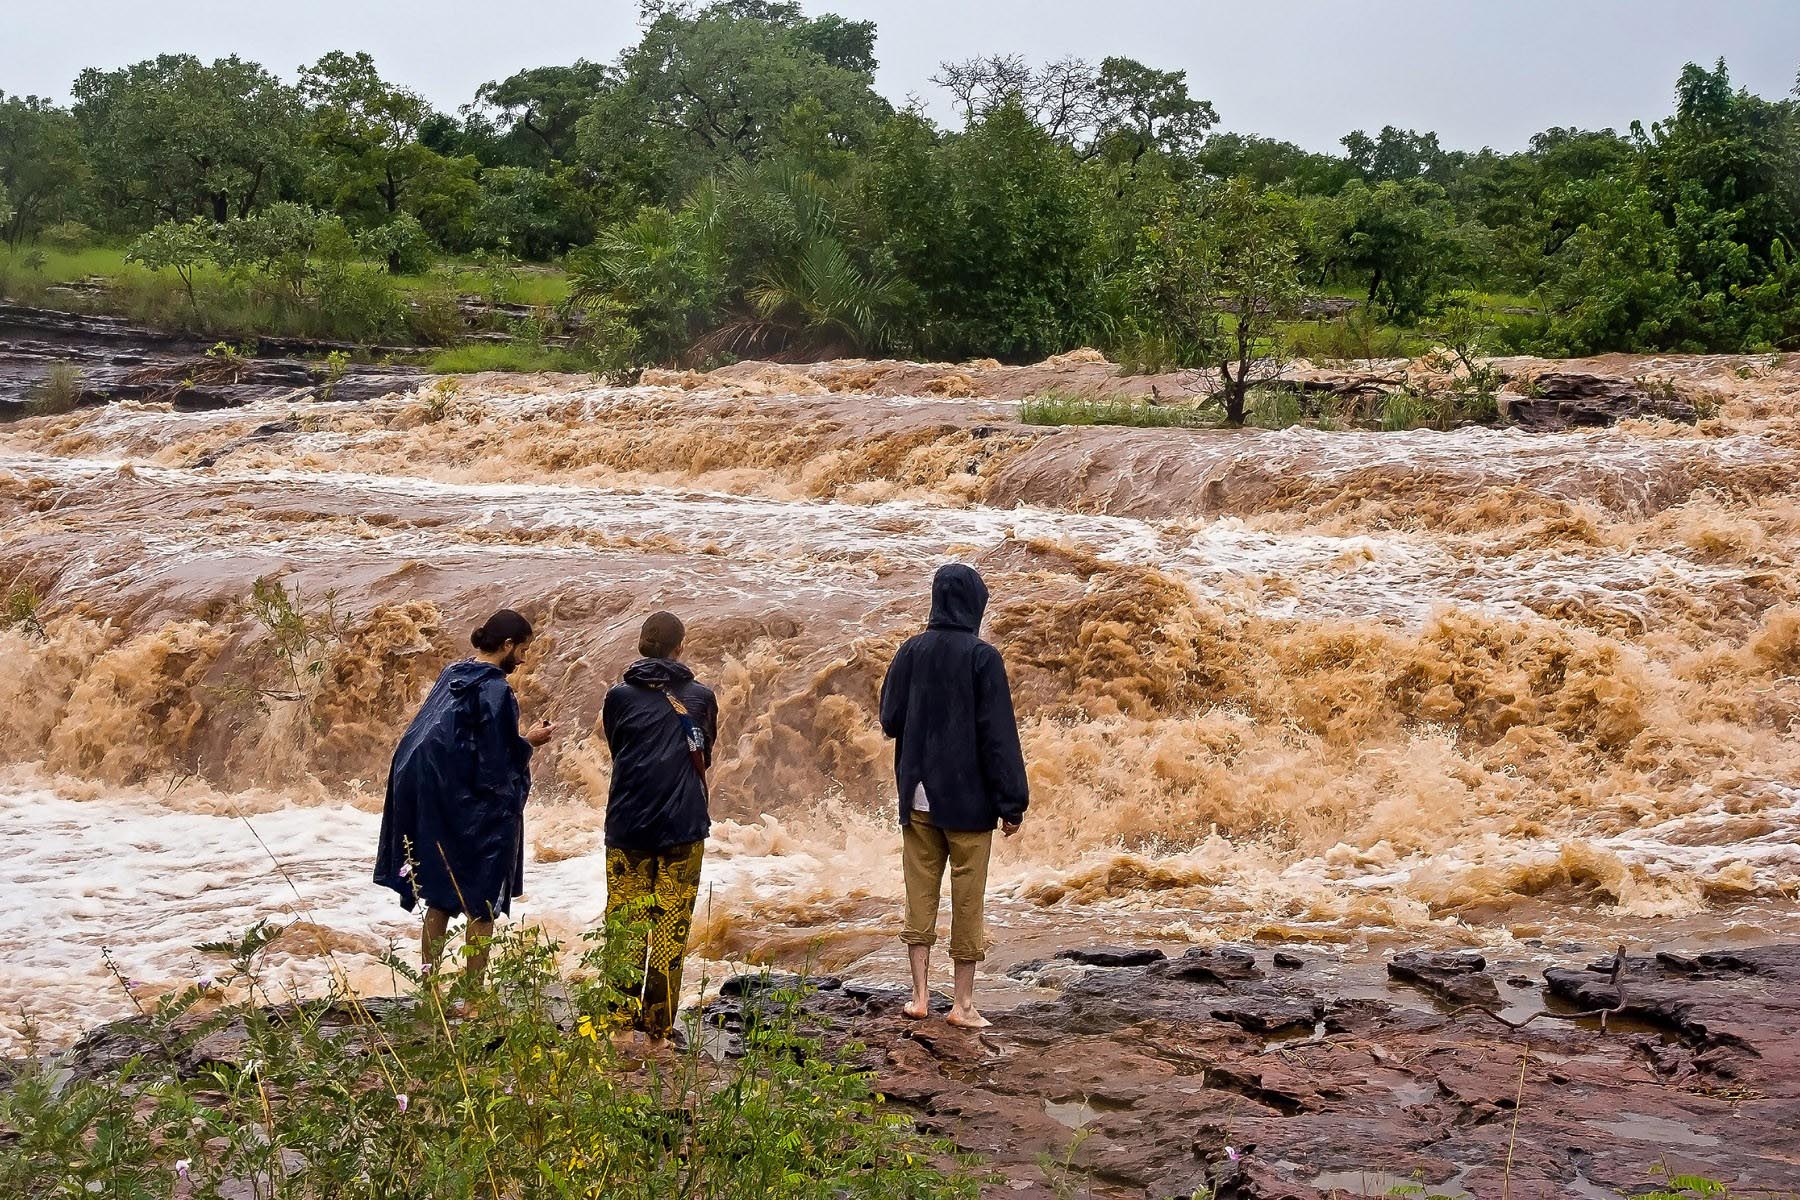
[{"x": 1616, "y": 978}]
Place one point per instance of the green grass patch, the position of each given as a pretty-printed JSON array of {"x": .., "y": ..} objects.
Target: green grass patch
[
  {"x": 1057, "y": 408},
  {"x": 504, "y": 356},
  {"x": 539, "y": 286},
  {"x": 53, "y": 264}
]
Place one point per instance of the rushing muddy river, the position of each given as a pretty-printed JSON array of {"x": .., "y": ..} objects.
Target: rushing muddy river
[{"x": 1479, "y": 687}]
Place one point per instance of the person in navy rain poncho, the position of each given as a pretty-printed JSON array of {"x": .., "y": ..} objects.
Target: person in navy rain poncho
[{"x": 453, "y": 828}]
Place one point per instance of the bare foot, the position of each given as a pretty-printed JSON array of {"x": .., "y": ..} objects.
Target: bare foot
[
  {"x": 917, "y": 1009},
  {"x": 633, "y": 1043},
  {"x": 968, "y": 1018}
]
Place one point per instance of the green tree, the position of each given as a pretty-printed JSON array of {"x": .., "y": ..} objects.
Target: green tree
[
  {"x": 175, "y": 137},
  {"x": 997, "y": 228},
  {"x": 42, "y": 168},
  {"x": 1404, "y": 238},
  {"x": 1142, "y": 109},
  {"x": 531, "y": 115},
  {"x": 178, "y": 246},
  {"x": 1730, "y": 152},
  {"x": 1398, "y": 155},
  {"x": 1216, "y": 277},
  {"x": 709, "y": 85},
  {"x": 373, "y": 166},
  {"x": 1266, "y": 162},
  {"x": 531, "y": 212}
]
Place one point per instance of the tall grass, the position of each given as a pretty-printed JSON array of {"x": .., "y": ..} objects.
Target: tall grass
[
  {"x": 1063, "y": 408},
  {"x": 454, "y": 1091},
  {"x": 504, "y": 356},
  {"x": 58, "y": 392}
]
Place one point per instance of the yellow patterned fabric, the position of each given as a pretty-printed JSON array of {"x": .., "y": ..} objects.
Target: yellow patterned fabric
[{"x": 650, "y": 900}]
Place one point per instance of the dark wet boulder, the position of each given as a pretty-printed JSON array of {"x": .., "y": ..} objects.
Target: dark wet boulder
[
  {"x": 1224, "y": 964},
  {"x": 1568, "y": 399},
  {"x": 1271, "y": 1012},
  {"x": 1113, "y": 956},
  {"x": 1460, "y": 978}
]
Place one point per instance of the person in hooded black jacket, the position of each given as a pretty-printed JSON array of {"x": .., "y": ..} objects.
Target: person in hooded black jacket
[
  {"x": 660, "y": 725},
  {"x": 948, "y": 706},
  {"x": 453, "y": 826}
]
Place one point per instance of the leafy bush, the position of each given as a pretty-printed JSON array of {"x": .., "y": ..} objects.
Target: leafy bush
[
  {"x": 68, "y": 235},
  {"x": 21, "y": 607},
  {"x": 401, "y": 242},
  {"x": 455, "y": 1092},
  {"x": 361, "y": 303},
  {"x": 658, "y": 271},
  {"x": 178, "y": 246},
  {"x": 435, "y": 317}
]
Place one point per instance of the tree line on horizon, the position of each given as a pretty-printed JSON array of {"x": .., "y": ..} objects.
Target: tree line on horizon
[{"x": 733, "y": 184}]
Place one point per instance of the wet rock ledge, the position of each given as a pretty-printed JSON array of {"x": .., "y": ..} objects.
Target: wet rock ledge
[
  {"x": 1164, "y": 1063},
  {"x": 1288, "y": 1076}
]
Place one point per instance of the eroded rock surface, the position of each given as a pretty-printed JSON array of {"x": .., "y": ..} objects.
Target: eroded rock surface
[{"x": 1168, "y": 1070}]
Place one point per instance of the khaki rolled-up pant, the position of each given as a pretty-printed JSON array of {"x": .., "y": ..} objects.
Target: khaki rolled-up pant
[{"x": 925, "y": 850}]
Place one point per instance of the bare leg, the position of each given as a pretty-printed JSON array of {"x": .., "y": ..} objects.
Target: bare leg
[
  {"x": 476, "y": 938},
  {"x": 431, "y": 938},
  {"x": 920, "y": 1006},
  {"x": 963, "y": 1013}
]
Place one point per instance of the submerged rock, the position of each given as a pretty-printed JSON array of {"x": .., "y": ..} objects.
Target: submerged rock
[
  {"x": 1460, "y": 978},
  {"x": 1114, "y": 956}
]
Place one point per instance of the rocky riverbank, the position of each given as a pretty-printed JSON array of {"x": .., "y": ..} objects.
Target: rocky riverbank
[
  {"x": 1262, "y": 1077},
  {"x": 1251, "y": 1074}
]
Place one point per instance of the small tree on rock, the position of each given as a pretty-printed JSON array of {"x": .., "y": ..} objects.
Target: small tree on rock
[{"x": 1217, "y": 275}]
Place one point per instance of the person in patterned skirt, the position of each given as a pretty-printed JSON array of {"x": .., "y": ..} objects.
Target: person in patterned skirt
[{"x": 660, "y": 725}]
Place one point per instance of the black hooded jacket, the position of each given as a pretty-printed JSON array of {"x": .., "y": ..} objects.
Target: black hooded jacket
[
  {"x": 453, "y": 828},
  {"x": 947, "y": 704},
  {"x": 658, "y": 798}
]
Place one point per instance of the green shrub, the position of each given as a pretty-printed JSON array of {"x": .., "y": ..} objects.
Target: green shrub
[
  {"x": 402, "y": 243},
  {"x": 435, "y": 318},
  {"x": 21, "y": 607},
  {"x": 360, "y": 303},
  {"x": 1062, "y": 408},
  {"x": 58, "y": 392},
  {"x": 68, "y": 235},
  {"x": 521, "y": 1094}
]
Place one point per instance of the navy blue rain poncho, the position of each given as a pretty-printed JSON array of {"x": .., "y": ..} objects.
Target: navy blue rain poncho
[
  {"x": 947, "y": 705},
  {"x": 456, "y": 798}
]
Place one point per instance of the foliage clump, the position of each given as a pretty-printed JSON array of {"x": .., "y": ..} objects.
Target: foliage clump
[{"x": 451, "y": 1091}]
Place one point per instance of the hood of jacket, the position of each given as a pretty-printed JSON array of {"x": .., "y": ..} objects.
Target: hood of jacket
[
  {"x": 470, "y": 672},
  {"x": 958, "y": 598},
  {"x": 657, "y": 673}
]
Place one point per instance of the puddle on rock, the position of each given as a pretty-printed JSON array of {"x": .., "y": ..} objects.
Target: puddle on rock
[
  {"x": 1382, "y": 1183},
  {"x": 1081, "y": 1111},
  {"x": 1642, "y": 1127}
]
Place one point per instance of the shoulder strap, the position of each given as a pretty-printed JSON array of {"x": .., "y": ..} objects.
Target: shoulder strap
[{"x": 690, "y": 733}]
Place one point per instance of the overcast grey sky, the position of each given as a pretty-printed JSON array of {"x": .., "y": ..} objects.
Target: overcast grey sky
[{"x": 1480, "y": 72}]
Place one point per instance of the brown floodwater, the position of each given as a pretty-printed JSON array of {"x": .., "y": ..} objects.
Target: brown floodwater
[{"x": 1356, "y": 690}]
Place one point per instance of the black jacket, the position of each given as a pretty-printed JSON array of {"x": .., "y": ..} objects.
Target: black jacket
[
  {"x": 658, "y": 798},
  {"x": 947, "y": 704},
  {"x": 453, "y": 828}
]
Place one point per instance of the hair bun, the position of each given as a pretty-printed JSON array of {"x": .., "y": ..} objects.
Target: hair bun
[{"x": 503, "y": 627}]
